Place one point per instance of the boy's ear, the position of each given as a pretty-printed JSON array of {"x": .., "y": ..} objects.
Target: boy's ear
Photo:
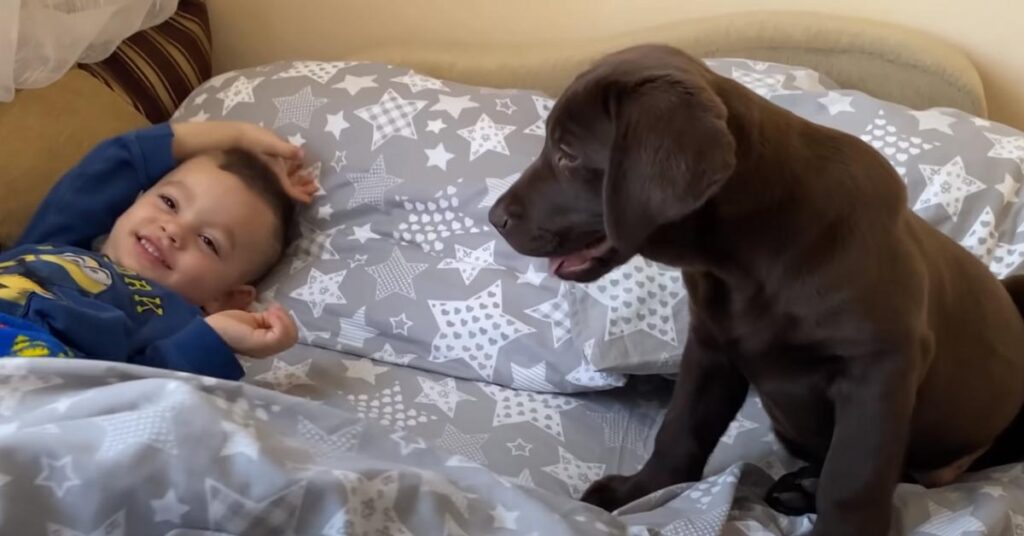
[{"x": 240, "y": 298}]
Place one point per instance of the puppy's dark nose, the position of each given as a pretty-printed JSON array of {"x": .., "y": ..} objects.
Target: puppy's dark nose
[{"x": 505, "y": 213}]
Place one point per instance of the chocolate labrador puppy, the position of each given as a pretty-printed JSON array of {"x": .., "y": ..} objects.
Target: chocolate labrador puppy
[{"x": 881, "y": 349}]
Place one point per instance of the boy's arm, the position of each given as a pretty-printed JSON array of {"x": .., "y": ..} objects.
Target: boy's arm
[
  {"x": 88, "y": 199},
  {"x": 196, "y": 349}
]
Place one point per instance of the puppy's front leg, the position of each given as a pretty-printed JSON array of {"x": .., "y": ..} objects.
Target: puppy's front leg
[
  {"x": 874, "y": 402},
  {"x": 707, "y": 395}
]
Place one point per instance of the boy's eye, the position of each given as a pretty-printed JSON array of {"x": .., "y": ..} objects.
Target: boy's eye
[
  {"x": 209, "y": 243},
  {"x": 169, "y": 202}
]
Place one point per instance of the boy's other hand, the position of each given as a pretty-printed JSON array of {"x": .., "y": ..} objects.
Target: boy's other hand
[{"x": 256, "y": 334}]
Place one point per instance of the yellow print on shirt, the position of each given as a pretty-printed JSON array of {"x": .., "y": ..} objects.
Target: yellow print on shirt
[{"x": 85, "y": 271}]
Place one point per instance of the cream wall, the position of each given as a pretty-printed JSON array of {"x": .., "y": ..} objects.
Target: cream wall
[{"x": 990, "y": 31}]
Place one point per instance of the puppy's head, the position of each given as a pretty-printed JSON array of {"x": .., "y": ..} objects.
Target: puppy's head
[{"x": 635, "y": 142}]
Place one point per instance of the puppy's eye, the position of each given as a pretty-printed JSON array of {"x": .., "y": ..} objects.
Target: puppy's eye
[{"x": 566, "y": 157}]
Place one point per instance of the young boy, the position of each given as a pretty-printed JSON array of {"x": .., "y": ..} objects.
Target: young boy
[{"x": 196, "y": 213}]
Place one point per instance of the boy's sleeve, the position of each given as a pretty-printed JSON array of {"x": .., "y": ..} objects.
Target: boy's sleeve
[
  {"x": 84, "y": 204},
  {"x": 196, "y": 349}
]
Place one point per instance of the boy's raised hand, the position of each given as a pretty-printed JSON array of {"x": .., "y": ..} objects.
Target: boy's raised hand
[{"x": 256, "y": 334}]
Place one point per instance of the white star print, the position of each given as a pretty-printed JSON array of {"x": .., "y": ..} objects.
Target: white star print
[
  {"x": 324, "y": 446},
  {"x": 982, "y": 239},
  {"x": 738, "y": 425},
  {"x": 408, "y": 445},
  {"x": 443, "y": 394},
  {"x": 439, "y": 484},
  {"x": 200, "y": 99},
  {"x": 464, "y": 445},
  {"x": 324, "y": 212},
  {"x": 765, "y": 85},
  {"x": 532, "y": 378},
  {"x": 388, "y": 408},
  {"x": 297, "y": 109},
  {"x": 369, "y": 506},
  {"x": 1006, "y": 258},
  {"x": 438, "y": 157},
  {"x": 58, "y": 475},
  {"x": 1008, "y": 188},
  {"x": 994, "y": 491},
  {"x": 933, "y": 120},
  {"x": 468, "y": 325},
  {"x": 453, "y": 105},
  {"x": 588, "y": 376},
  {"x": 948, "y": 185},
  {"x": 241, "y": 439},
  {"x": 1018, "y": 524},
  {"x": 532, "y": 277},
  {"x": 574, "y": 472},
  {"x": 363, "y": 368},
  {"x": 353, "y": 84},
  {"x": 297, "y": 140},
  {"x": 14, "y": 386},
  {"x": 400, "y": 324},
  {"x": 359, "y": 259},
  {"x": 418, "y": 82},
  {"x": 114, "y": 526},
  {"x": 807, "y": 80},
  {"x": 370, "y": 186},
  {"x": 304, "y": 334},
  {"x": 230, "y": 513},
  {"x": 336, "y": 123},
  {"x": 321, "y": 71},
  {"x": 389, "y": 355},
  {"x": 339, "y": 160},
  {"x": 556, "y": 312},
  {"x": 395, "y": 275},
  {"x": 362, "y": 233},
  {"x": 320, "y": 290},
  {"x": 153, "y": 427},
  {"x": 239, "y": 92},
  {"x": 541, "y": 409},
  {"x": 168, "y": 508},
  {"x": 543, "y": 105},
  {"x": 314, "y": 245},
  {"x": 284, "y": 376},
  {"x": 504, "y": 519},
  {"x": 451, "y": 528},
  {"x": 496, "y": 187},
  {"x": 199, "y": 117},
  {"x": 836, "y": 103},
  {"x": 520, "y": 447},
  {"x": 981, "y": 122},
  {"x": 1011, "y": 147},
  {"x": 504, "y": 105},
  {"x": 391, "y": 116},
  {"x": 469, "y": 262},
  {"x": 435, "y": 126},
  {"x": 354, "y": 330},
  {"x": 643, "y": 304},
  {"x": 486, "y": 135},
  {"x": 945, "y": 522}
]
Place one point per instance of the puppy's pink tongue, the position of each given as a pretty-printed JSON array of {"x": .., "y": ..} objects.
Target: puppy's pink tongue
[{"x": 568, "y": 262}]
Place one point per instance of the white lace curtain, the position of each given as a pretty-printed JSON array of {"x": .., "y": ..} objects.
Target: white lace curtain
[{"x": 40, "y": 40}]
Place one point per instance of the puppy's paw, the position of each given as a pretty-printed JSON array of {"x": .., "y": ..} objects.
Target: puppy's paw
[{"x": 610, "y": 492}]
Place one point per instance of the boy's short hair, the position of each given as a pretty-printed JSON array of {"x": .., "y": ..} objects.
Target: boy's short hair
[{"x": 255, "y": 173}]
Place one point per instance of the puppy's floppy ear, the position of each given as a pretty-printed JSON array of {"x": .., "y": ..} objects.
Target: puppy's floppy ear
[{"x": 671, "y": 150}]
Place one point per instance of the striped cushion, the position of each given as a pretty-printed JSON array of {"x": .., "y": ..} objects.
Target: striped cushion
[{"x": 155, "y": 69}]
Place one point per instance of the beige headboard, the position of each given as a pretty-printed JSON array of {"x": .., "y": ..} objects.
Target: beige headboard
[{"x": 890, "y": 62}]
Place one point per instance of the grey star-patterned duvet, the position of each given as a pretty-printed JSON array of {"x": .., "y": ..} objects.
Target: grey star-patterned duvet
[
  {"x": 316, "y": 443},
  {"x": 445, "y": 385}
]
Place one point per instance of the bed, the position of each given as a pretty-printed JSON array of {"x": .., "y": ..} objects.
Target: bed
[{"x": 407, "y": 410}]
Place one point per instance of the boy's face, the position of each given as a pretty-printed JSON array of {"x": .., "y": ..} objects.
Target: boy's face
[{"x": 201, "y": 232}]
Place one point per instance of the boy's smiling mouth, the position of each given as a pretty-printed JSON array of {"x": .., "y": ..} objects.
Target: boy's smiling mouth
[{"x": 151, "y": 251}]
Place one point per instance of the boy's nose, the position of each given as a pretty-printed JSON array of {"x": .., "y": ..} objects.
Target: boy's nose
[{"x": 172, "y": 233}]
